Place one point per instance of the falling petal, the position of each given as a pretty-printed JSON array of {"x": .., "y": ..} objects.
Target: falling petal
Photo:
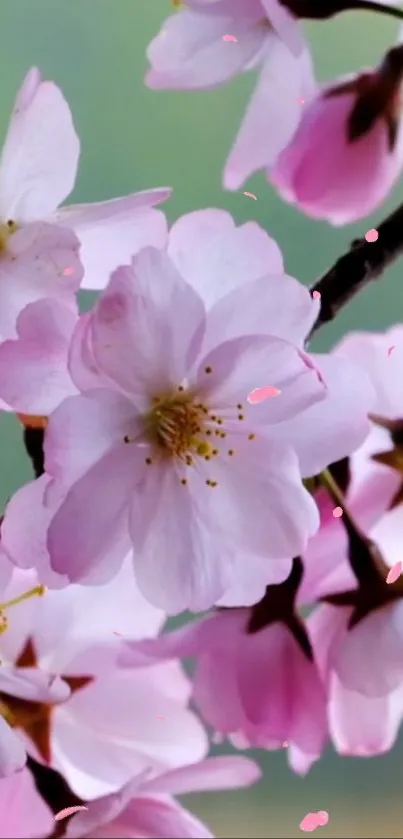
[
  {"x": 390, "y": 349},
  {"x": 337, "y": 512},
  {"x": 261, "y": 393},
  {"x": 250, "y": 195},
  {"x": 68, "y": 811},
  {"x": 394, "y": 573},
  {"x": 309, "y": 822},
  {"x": 371, "y": 235},
  {"x": 230, "y": 38},
  {"x": 317, "y": 295},
  {"x": 322, "y": 817}
]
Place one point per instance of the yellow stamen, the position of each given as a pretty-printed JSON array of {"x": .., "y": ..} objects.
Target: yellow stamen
[
  {"x": 6, "y": 230},
  {"x": 37, "y": 591}
]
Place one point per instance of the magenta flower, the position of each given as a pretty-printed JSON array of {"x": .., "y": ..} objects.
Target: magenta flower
[
  {"x": 260, "y": 689},
  {"x": 190, "y": 52},
  {"x": 347, "y": 151},
  {"x": 38, "y": 167},
  {"x": 144, "y": 807}
]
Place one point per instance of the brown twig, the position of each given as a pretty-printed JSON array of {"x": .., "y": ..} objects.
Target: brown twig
[{"x": 363, "y": 263}]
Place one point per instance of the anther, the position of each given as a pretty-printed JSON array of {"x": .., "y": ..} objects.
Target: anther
[
  {"x": 183, "y": 481},
  {"x": 239, "y": 407},
  {"x": 230, "y": 452},
  {"x": 208, "y": 369},
  {"x": 241, "y": 416},
  {"x": 148, "y": 461},
  {"x": 251, "y": 436}
]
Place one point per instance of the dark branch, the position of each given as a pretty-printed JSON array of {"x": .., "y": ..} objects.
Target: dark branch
[
  {"x": 363, "y": 263},
  {"x": 33, "y": 441}
]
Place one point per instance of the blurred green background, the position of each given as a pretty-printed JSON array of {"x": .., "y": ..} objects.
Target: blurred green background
[{"x": 134, "y": 139}]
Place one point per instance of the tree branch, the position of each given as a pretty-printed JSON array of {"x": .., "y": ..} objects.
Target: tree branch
[{"x": 364, "y": 262}]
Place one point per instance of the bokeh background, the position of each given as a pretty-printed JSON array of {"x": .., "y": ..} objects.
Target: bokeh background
[{"x": 133, "y": 139}]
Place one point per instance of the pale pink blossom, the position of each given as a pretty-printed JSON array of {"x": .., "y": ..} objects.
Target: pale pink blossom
[
  {"x": 38, "y": 168},
  {"x": 144, "y": 807},
  {"x": 333, "y": 170},
  {"x": 146, "y": 335},
  {"x": 190, "y": 53},
  {"x": 259, "y": 689},
  {"x": 23, "y": 813},
  {"x": 364, "y": 695},
  {"x": 106, "y": 726},
  {"x": 230, "y": 268},
  {"x": 372, "y": 486}
]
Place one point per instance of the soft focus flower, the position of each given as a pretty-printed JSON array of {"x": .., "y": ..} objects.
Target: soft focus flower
[
  {"x": 109, "y": 724},
  {"x": 38, "y": 167},
  {"x": 24, "y": 814},
  {"x": 189, "y": 53},
  {"x": 347, "y": 151},
  {"x": 144, "y": 807},
  {"x": 259, "y": 688}
]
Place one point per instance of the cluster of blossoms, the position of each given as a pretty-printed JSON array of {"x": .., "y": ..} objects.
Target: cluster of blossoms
[{"x": 162, "y": 487}]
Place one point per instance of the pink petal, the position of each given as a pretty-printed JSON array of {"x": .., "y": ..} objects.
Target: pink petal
[
  {"x": 84, "y": 429},
  {"x": 216, "y": 257},
  {"x": 382, "y": 631},
  {"x": 40, "y": 155},
  {"x": 98, "y": 504},
  {"x": 68, "y": 811},
  {"x": 87, "y": 740},
  {"x": 111, "y": 232},
  {"x": 167, "y": 819},
  {"x": 12, "y": 753},
  {"x": 394, "y": 573},
  {"x": 26, "y": 546},
  {"x": 262, "y": 393},
  {"x": 189, "y": 53},
  {"x": 210, "y": 774},
  {"x": 239, "y": 364},
  {"x": 340, "y": 419},
  {"x": 260, "y": 504},
  {"x": 179, "y": 561},
  {"x": 34, "y": 268},
  {"x": 273, "y": 113},
  {"x": 34, "y": 377},
  {"x": 148, "y": 325},
  {"x": 286, "y": 310},
  {"x": 24, "y": 812},
  {"x": 360, "y": 725}
]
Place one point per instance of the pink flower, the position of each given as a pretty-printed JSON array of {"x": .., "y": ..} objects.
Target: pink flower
[
  {"x": 144, "y": 807},
  {"x": 23, "y": 811},
  {"x": 365, "y": 697},
  {"x": 259, "y": 688},
  {"x": 38, "y": 167},
  {"x": 189, "y": 53},
  {"x": 347, "y": 151},
  {"x": 106, "y": 726},
  {"x": 174, "y": 433},
  {"x": 372, "y": 486}
]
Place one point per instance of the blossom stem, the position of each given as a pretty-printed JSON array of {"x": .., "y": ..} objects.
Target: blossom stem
[{"x": 363, "y": 263}]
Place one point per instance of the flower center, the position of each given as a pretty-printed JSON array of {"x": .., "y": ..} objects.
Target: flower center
[
  {"x": 174, "y": 425},
  {"x": 6, "y": 230}
]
